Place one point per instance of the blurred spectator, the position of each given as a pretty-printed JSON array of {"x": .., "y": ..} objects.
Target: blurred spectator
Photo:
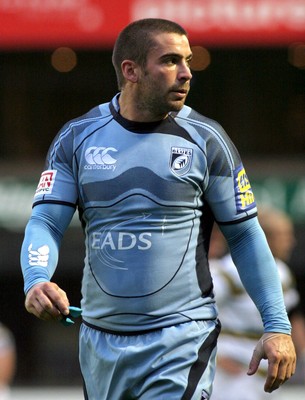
[
  {"x": 7, "y": 362},
  {"x": 240, "y": 320}
]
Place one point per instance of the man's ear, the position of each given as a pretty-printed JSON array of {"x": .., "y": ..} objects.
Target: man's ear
[{"x": 130, "y": 70}]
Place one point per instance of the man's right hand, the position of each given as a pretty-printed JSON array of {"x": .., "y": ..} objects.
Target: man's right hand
[{"x": 47, "y": 301}]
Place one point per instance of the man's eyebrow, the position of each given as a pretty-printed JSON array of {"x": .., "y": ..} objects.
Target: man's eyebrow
[{"x": 176, "y": 55}]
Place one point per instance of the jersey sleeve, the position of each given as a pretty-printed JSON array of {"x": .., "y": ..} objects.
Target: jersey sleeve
[
  {"x": 230, "y": 196},
  {"x": 40, "y": 247},
  {"x": 228, "y": 190},
  {"x": 258, "y": 272},
  {"x": 57, "y": 183}
]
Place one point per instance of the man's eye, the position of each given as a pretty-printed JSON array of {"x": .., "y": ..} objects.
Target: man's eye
[{"x": 171, "y": 61}]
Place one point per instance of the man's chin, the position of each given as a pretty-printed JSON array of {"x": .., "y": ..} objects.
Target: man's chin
[{"x": 176, "y": 105}]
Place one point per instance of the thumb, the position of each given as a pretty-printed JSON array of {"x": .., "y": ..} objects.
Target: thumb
[
  {"x": 254, "y": 364},
  {"x": 259, "y": 352},
  {"x": 258, "y": 355}
]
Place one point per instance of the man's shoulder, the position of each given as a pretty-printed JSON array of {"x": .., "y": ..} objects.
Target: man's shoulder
[
  {"x": 195, "y": 118},
  {"x": 94, "y": 115},
  {"x": 74, "y": 132}
]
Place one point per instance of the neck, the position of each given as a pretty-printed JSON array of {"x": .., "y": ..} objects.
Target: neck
[{"x": 131, "y": 110}]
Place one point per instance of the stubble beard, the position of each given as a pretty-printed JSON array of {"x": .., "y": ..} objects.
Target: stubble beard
[
  {"x": 159, "y": 106},
  {"x": 157, "y": 102}
]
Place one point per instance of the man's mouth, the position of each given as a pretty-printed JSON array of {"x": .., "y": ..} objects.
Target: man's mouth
[{"x": 181, "y": 92}]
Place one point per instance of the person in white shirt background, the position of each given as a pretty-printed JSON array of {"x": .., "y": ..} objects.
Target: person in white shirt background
[
  {"x": 240, "y": 320},
  {"x": 7, "y": 361}
]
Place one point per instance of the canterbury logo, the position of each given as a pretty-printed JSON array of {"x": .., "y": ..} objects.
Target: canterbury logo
[
  {"x": 39, "y": 257},
  {"x": 100, "y": 155}
]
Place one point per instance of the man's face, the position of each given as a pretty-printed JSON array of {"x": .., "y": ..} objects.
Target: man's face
[
  {"x": 281, "y": 238},
  {"x": 165, "y": 81}
]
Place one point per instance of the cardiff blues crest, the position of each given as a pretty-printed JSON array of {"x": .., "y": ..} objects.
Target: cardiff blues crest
[{"x": 181, "y": 160}]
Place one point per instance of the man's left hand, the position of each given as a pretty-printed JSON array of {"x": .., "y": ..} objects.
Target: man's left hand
[{"x": 278, "y": 349}]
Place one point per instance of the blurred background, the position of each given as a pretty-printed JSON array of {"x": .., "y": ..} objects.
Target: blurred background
[{"x": 55, "y": 64}]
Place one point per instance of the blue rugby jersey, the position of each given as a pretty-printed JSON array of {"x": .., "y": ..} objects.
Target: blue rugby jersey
[{"x": 147, "y": 195}]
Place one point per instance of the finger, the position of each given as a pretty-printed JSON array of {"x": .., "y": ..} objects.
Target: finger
[
  {"x": 33, "y": 307},
  {"x": 271, "y": 381},
  {"x": 253, "y": 366},
  {"x": 293, "y": 366},
  {"x": 60, "y": 300},
  {"x": 55, "y": 300},
  {"x": 280, "y": 353},
  {"x": 278, "y": 375},
  {"x": 280, "y": 372},
  {"x": 47, "y": 301},
  {"x": 289, "y": 371},
  {"x": 276, "y": 384},
  {"x": 255, "y": 360},
  {"x": 36, "y": 307},
  {"x": 50, "y": 309}
]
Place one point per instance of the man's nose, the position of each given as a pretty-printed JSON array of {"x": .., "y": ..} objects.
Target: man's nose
[{"x": 185, "y": 71}]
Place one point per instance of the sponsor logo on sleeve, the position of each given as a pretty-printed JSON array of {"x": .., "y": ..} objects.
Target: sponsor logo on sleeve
[
  {"x": 181, "y": 160},
  {"x": 39, "y": 257},
  {"x": 46, "y": 182},
  {"x": 244, "y": 196}
]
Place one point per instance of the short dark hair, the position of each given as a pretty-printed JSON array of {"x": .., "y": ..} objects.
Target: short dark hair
[{"x": 136, "y": 40}]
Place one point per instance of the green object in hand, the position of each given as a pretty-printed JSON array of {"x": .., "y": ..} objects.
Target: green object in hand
[{"x": 75, "y": 312}]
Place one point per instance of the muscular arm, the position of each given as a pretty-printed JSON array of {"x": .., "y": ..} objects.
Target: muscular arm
[
  {"x": 259, "y": 275},
  {"x": 258, "y": 272},
  {"x": 39, "y": 257}
]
